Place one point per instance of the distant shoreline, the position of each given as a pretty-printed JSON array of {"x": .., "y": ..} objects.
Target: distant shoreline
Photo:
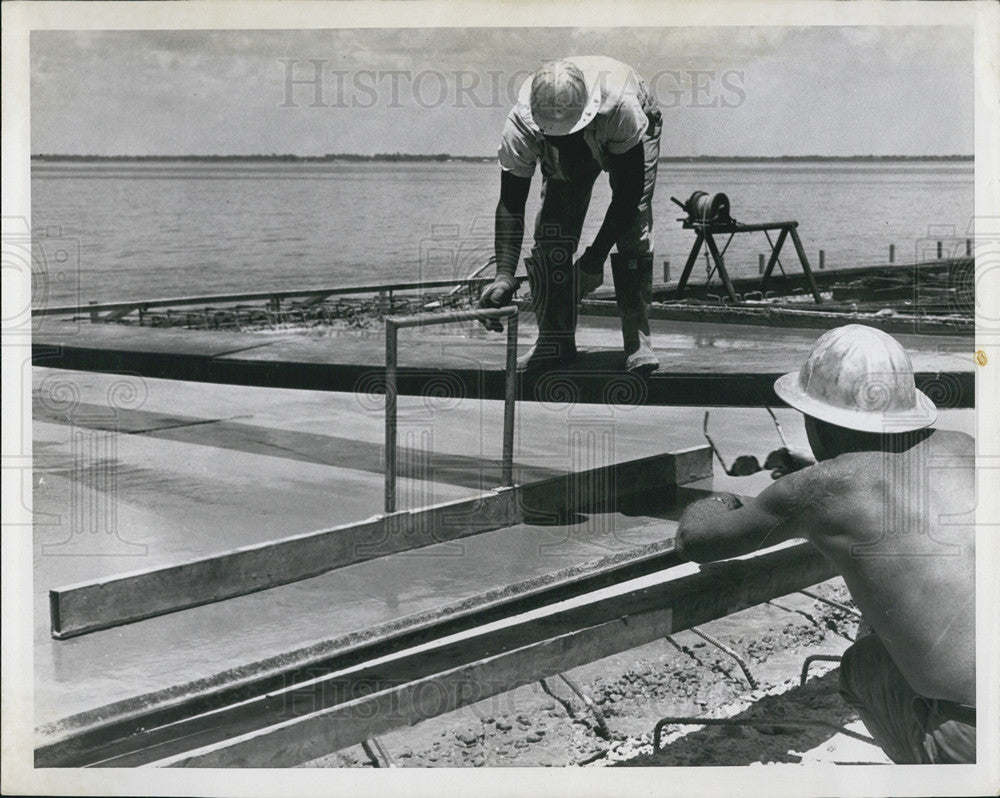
[{"x": 444, "y": 158}]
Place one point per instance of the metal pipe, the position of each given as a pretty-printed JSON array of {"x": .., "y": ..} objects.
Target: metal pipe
[
  {"x": 689, "y": 265},
  {"x": 723, "y": 647},
  {"x": 430, "y": 319},
  {"x": 509, "y": 402},
  {"x": 392, "y": 325},
  {"x": 390, "y": 415}
]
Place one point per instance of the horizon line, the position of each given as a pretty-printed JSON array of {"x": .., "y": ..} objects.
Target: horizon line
[{"x": 399, "y": 156}]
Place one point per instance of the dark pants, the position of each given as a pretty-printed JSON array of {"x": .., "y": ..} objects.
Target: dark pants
[
  {"x": 566, "y": 199},
  {"x": 911, "y": 729},
  {"x": 568, "y": 175}
]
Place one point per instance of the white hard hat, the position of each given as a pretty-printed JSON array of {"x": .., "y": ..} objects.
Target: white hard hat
[
  {"x": 859, "y": 378},
  {"x": 559, "y": 98}
]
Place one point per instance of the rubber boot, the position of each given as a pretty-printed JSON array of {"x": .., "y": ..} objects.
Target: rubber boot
[
  {"x": 552, "y": 297},
  {"x": 633, "y": 276},
  {"x": 588, "y": 282}
]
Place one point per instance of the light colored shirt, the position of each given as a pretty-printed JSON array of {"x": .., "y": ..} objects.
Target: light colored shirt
[{"x": 620, "y": 123}]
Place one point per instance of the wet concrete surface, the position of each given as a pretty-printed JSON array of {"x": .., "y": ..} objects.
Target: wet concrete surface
[
  {"x": 164, "y": 471},
  {"x": 694, "y": 347}
]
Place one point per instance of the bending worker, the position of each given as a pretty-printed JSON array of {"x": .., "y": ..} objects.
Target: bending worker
[
  {"x": 577, "y": 117},
  {"x": 890, "y": 504}
]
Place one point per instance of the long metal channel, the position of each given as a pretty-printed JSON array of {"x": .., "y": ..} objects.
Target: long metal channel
[
  {"x": 132, "y": 724},
  {"x": 337, "y": 713},
  {"x": 299, "y": 720}
]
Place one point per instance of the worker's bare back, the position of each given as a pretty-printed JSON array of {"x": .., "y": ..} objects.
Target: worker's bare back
[{"x": 900, "y": 528}]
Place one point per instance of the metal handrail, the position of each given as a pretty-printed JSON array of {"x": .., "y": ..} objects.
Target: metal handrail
[{"x": 392, "y": 325}]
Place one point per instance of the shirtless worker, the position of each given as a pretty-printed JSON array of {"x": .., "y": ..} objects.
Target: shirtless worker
[
  {"x": 577, "y": 117},
  {"x": 890, "y": 504}
]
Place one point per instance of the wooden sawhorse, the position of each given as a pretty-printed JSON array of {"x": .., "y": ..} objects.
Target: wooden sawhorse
[{"x": 704, "y": 232}]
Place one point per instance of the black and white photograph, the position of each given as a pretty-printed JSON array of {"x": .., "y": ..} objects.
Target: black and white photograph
[{"x": 497, "y": 398}]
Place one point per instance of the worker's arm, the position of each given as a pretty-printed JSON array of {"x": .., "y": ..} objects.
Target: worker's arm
[
  {"x": 509, "y": 228},
  {"x": 628, "y": 173},
  {"x": 508, "y": 235},
  {"x": 715, "y": 530}
]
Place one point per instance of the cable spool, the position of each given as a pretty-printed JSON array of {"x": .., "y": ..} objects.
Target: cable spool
[{"x": 705, "y": 208}]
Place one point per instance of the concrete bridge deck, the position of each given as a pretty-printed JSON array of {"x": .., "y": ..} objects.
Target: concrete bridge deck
[
  {"x": 701, "y": 364},
  {"x": 132, "y": 472}
]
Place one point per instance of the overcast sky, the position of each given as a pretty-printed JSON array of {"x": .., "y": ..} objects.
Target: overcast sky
[{"x": 725, "y": 91}]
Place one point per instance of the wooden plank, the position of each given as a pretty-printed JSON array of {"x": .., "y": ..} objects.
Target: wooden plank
[
  {"x": 348, "y": 708},
  {"x": 103, "y": 603}
]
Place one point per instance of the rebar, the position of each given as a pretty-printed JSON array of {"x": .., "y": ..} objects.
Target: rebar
[
  {"x": 377, "y": 754},
  {"x": 731, "y": 652},
  {"x": 832, "y": 603},
  {"x": 804, "y": 722},
  {"x": 815, "y": 658},
  {"x": 595, "y": 710}
]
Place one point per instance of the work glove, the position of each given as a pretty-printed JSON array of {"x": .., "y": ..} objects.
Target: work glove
[
  {"x": 497, "y": 294},
  {"x": 590, "y": 263},
  {"x": 785, "y": 461}
]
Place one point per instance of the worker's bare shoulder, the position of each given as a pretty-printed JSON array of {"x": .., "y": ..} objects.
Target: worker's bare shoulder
[
  {"x": 825, "y": 499},
  {"x": 949, "y": 442},
  {"x": 806, "y": 497},
  {"x": 834, "y": 494}
]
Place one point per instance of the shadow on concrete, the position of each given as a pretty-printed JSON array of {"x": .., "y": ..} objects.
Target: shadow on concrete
[
  {"x": 478, "y": 473},
  {"x": 775, "y": 739}
]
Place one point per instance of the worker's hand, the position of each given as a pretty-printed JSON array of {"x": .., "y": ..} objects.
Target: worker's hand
[
  {"x": 785, "y": 461},
  {"x": 589, "y": 262},
  {"x": 497, "y": 294}
]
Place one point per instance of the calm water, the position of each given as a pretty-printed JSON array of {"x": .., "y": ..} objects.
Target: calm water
[{"x": 171, "y": 229}]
